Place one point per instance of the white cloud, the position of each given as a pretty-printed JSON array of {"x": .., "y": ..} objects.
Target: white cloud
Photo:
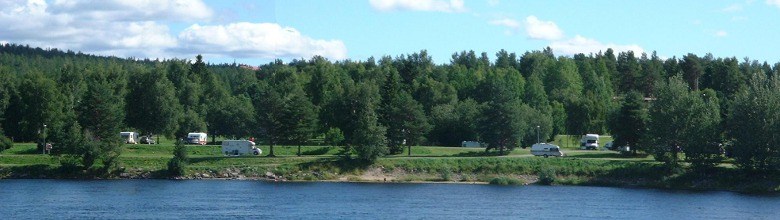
[
  {"x": 721, "y": 33},
  {"x": 773, "y": 2},
  {"x": 139, "y": 29},
  {"x": 580, "y": 44},
  {"x": 261, "y": 40},
  {"x": 493, "y": 2},
  {"x": 542, "y": 30},
  {"x": 506, "y": 22},
  {"x": 135, "y": 10},
  {"x": 119, "y": 28},
  {"x": 733, "y": 8},
  {"x": 419, "y": 5}
]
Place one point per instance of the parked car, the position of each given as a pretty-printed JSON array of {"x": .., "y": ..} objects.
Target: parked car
[{"x": 147, "y": 140}]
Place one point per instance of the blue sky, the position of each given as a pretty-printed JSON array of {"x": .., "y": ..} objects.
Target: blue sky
[{"x": 256, "y": 32}]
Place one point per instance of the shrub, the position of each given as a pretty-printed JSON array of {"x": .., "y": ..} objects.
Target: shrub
[
  {"x": 547, "y": 176},
  {"x": 505, "y": 181},
  {"x": 446, "y": 175},
  {"x": 178, "y": 163},
  {"x": 5, "y": 143}
]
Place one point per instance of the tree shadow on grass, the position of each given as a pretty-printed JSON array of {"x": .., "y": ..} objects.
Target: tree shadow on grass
[
  {"x": 30, "y": 151},
  {"x": 599, "y": 155},
  {"x": 318, "y": 151},
  {"x": 205, "y": 159},
  {"x": 461, "y": 154}
]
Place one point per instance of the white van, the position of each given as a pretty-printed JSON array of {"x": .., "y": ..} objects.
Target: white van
[
  {"x": 197, "y": 138},
  {"x": 546, "y": 150},
  {"x": 589, "y": 142},
  {"x": 129, "y": 137},
  {"x": 240, "y": 147}
]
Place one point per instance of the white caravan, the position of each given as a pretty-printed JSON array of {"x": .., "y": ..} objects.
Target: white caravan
[
  {"x": 197, "y": 138},
  {"x": 240, "y": 147},
  {"x": 546, "y": 150},
  {"x": 129, "y": 137},
  {"x": 589, "y": 142}
]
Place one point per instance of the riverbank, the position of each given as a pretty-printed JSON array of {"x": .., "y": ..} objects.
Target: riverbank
[{"x": 427, "y": 165}]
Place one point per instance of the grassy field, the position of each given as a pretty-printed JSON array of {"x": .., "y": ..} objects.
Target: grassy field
[{"x": 427, "y": 164}]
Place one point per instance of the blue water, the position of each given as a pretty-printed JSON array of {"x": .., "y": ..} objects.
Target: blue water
[{"x": 210, "y": 199}]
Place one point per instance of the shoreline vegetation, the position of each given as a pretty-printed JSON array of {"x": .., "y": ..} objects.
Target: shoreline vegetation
[{"x": 427, "y": 165}]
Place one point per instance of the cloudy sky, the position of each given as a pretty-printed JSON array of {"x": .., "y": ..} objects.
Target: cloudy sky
[{"x": 258, "y": 31}]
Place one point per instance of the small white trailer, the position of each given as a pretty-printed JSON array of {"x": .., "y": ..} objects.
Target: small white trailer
[
  {"x": 239, "y": 147},
  {"x": 129, "y": 137},
  {"x": 546, "y": 150},
  {"x": 197, "y": 138},
  {"x": 589, "y": 142}
]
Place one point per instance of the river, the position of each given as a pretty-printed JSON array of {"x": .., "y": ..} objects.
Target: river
[{"x": 210, "y": 199}]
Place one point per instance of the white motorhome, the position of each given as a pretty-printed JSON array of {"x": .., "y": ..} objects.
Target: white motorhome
[
  {"x": 546, "y": 150},
  {"x": 589, "y": 142},
  {"x": 470, "y": 144},
  {"x": 240, "y": 147},
  {"x": 197, "y": 138},
  {"x": 129, "y": 137}
]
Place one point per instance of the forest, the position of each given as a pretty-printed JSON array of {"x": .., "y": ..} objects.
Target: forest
[{"x": 694, "y": 109}]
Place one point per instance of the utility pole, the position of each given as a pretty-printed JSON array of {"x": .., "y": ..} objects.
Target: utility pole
[
  {"x": 44, "y": 139},
  {"x": 537, "y": 134}
]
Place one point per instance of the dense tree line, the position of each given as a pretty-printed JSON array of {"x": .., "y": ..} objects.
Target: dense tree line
[{"x": 694, "y": 107}]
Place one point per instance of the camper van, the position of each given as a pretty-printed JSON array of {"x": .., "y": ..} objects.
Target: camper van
[
  {"x": 129, "y": 137},
  {"x": 240, "y": 147},
  {"x": 197, "y": 138},
  {"x": 546, "y": 150},
  {"x": 589, "y": 142}
]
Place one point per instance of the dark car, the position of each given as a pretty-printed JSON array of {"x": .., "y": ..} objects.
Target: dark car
[{"x": 147, "y": 140}]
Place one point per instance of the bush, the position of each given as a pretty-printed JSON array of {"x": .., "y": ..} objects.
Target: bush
[
  {"x": 334, "y": 137},
  {"x": 5, "y": 143},
  {"x": 178, "y": 163},
  {"x": 547, "y": 176},
  {"x": 505, "y": 181},
  {"x": 446, "y": 175}
]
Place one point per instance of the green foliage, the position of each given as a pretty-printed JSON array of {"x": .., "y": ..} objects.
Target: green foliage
[
  {"x": 40, "y": 103},
  {"x": 692, "y": 70},
  {"x": 547, "y": 176},
  {"x": 368, "y": 138},
  {"x": 5, "y": 143},
  {"x": 629, "y": 70},
  {"x": 754, "y": 121},
  {"x": 454, "y": 123},
  {"x": 629, "y": 122},
  {"x": 687, "y": 120},
  {"x": 334, "y": 137},
  {"x": 501, "y": 123},
  {"x": 505, "y": 181},
  {"x": 406, "y": 123},
  {"x": 178, "y": 164},
  {"x": 152, "y": 106},
  {"x": 564, "y": 83}
]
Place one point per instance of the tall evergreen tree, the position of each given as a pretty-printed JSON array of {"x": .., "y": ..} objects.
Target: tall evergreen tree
[
  {"x": 629, "y": 124},
  {"x": 102, "y": 114}
]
